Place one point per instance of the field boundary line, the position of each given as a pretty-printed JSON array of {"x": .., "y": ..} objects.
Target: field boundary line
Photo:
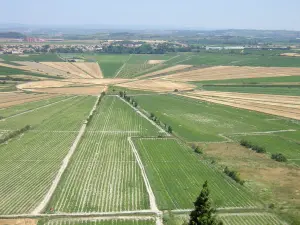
[
  {"x": 122, "y": 67},
  {"x": 44, "y": 106},
  {"x": 144, "y": 116},
  {"x": 63, "y": 167},
  {"x": 152, "y": 199},
  {"x": 59, "y": 215},
  {"x": 263, "y": 132}
]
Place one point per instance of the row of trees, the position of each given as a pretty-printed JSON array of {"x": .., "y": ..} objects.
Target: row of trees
[
  {"x": 252, "y": 146},
  {"x": 89, "y": 119},
  {"x": 154, "y": 118},
  {"x": 129, "y": 99},
  {"x": 279, "y": 157},
  {"x": 14, "y": 134}
]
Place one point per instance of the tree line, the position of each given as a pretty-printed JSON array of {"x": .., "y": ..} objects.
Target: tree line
[{"x": 14, "y": 134}]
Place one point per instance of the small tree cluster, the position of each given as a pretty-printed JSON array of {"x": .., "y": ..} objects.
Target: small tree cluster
[
  {"x": 254, "y": 147},
  {"x": 279, "y": 157},
  {"x": 234, "y": 175},
  {"x": 14, "y": 134},
  {"x": 101, "y": 96},
  {"x": 198, "y": 150}
]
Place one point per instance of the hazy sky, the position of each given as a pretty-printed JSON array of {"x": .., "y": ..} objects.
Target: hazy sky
[{"x": 216, "y": 14}]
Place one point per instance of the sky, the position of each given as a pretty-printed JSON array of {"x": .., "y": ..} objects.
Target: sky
[{"x": 208, "y": 14}]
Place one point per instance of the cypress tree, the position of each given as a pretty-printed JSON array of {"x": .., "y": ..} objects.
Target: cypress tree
[{"x": 203, "y": 213}]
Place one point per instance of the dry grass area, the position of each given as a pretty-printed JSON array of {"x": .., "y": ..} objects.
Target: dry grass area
[
  {"x": 8, "y": 99},
  {"x": 99, "y": 81},
  {"x": 154, "y": 62},
  {"x": 273, "y": 180},
  {"x": 291, "y": 54},
  {"x": 232, "y": 72},
  {"x": 18, "y": 221},
  {"x": 44, "y": 69},
  {"x": 285, "y": 106},
  {"x": 157, "y": 85},
  {"x": 44, "y": 84},
  {"x": 167, "y": 70},
  {"x": 93, "y": 69},
  {"x": 90, "y": 90},
  {"x": 69, "y": 68}
]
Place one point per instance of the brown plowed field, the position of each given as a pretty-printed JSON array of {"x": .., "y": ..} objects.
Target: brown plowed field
[
  {"x": 232, "y": 72},
  {"x": 44, "y": 84},
  {"x": 18, "y": 222},
  {"x": 99, "y": 81},
  {"x": 157, "y": 85},
  {"x": 93, "y": 69},
  {"x": 285, "y": 106},
  {"x": 92, "y": 90},
  {"x": 167, "y": 70}
]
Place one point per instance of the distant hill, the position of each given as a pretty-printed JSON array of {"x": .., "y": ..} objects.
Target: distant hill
[{"x": 11, "y": 35}]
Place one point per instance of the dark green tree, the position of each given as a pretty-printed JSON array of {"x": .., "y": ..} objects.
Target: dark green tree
[
  {"x": 203, "y": 213},
  {"x": 170, "y": 130}
]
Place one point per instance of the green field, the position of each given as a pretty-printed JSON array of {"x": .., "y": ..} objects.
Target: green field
[
  {"x": 104, "y": 165},
  {"x": 30, "y": 161},
  {"x": 251, "y": 80},
  {"x": 13, "y": 110},
  {"x": 195, "y": 120},
  {"x": 277, "y": 144},
  {"x": 101, "y": 222},
  {"x": 273, "y": 90},
  {"x": 251, "y": 218},
  {"x": 177, "y": 174}
]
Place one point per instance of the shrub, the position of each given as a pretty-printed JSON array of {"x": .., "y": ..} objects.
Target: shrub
[
  {"x": 279, "y": 157},
  {"x": 234, "y": 175},
  {"x": 14, "y": 134},
  {"x": 198, "y": 150},
  {"x": 176, "y": 90}
]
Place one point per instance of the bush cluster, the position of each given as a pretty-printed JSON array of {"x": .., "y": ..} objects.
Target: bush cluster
[
  {"x": 234, "y": 175},
  {"x": 14, "y": 134},
  {"x": 198, "y": 150},
  {"x": 254, "y": 147},
  {"x": 279, "y": 157}
]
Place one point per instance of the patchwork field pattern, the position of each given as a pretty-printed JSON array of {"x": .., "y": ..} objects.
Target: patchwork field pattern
[
  {"x": 34, "y": 157},
  {"x": 233, "y": 72},
  {"x": 286, "y": 106},
  {"x": 104, "y": 175}
]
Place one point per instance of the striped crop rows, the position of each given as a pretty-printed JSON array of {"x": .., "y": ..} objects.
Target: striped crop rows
[
  {"x": 178, "y": 174},
  {"x": 250, "y": 219},
  {"x": 30, "y": 161},
  {"x": 103, "y": 222},
  {"x": 103, "y": 175}
]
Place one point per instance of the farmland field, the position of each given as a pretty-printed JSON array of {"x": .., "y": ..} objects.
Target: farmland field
[
  {"x": 276, "y": 90},
  {"x": 201, "y": 121},
  {"x": 102, "y": 222},
  {"x": 177, "y": 183},
  {"x": 249, "y": 219},
  {"x": 35, "y": 156},
  {"x": 104, "y": 166}
]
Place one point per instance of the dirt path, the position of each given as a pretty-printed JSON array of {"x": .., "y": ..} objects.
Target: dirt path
[{"x": 63, "y": 167}]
